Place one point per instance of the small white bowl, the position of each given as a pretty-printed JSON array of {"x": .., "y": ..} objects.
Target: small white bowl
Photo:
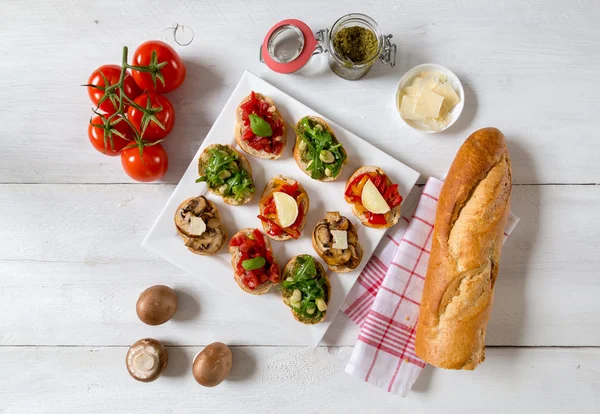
[{"x": 406, "y": 80}]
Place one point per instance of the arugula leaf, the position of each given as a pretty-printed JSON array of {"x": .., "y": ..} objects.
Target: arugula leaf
[
  {"x": 312, "y": 285},
  {"x": 259, "y": 126},
  {"x": 318, "y": 139}
]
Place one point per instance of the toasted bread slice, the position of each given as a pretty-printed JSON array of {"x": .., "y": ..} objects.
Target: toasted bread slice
[
  {"x": 239, "y": 130},
  {"x": 268, "y": 190},
  {"x": 215, "y": 236},
  {"x": 286, "y": 293},
  {"x": 303, "y": 164},
  {"x": 242, "y": 162},
  {"x": 235, "y": 258},
  {"x": 338, "y": 260},
  {"x": 391, "y": 217}
]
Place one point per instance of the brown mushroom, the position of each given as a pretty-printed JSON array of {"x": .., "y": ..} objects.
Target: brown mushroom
[
  {"x": 212, "y": 365},
  {"x": 156, "y": 305},
  {"x": 146, "y": 359},
  {"x": 337, "y": 256},
  {"x": 193, "y": 207},
  {"x": 341, "y": 259}
]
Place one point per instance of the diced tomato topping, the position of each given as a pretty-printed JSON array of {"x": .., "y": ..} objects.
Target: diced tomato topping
[
  {"x": 247, "y": 245},
  {"x": 376, "y": 218},
  {"x": 258, "y": 238},
  {"x": 274, "y": 273},
  {"x": 274, "y": 229},
  {"x": 251, "y": 281},
  {"x": 237, "y": 240},
  {"x": 292, "y": 190}
]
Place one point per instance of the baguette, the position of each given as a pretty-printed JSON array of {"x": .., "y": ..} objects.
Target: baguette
[
  {"x": 240, "y": 128},
  {"x": 287, "y": 291},
  {"x": 242, "y": 164},
  {"x": 301, "y": 151},
  {"x": 391, "y": 217},
  {"x": 211, "y": 240},
  {"x": 302, "y": 206},
  {"x": 236, "y": 255},
  {"x": 473, "y": 207}
]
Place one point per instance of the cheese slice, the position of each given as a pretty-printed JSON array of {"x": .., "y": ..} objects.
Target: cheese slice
[
  {"x": 287, "y": 208},
  {"x": 197, "y": 226},
  {"x": 340, "y": 239},
  {"x": 407, "y": 108},
  {"x": 428, "y": 104},
  {"x": 450, "y": 96},
  {"x": 412, "y": 90},
  {"x": 372, "y": 199}
]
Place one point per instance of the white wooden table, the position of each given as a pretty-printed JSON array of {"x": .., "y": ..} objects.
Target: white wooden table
[{"x": 71, "y": 222}]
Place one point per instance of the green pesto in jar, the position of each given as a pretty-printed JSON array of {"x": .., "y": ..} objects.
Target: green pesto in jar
[{"x": 355, "y": 43}]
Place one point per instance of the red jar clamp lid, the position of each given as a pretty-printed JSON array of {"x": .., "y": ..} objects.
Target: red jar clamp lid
[{"x": 288, "y": 46}]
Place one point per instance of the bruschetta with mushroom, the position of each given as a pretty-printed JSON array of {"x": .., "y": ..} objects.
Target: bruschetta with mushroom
[
  {"x": 375, "y": 199},
  {"x": 283, "y": 207},
  {"x": 254, "y": 267},
  {"x": 336, "y": 241},
  {"x": 306, "y": 289},
  {"x": 317, "y": 151},
  {"x": 199, "y": 224},
  {"x": 227, "y": 173},
  {"x": 259, "y": 129}
]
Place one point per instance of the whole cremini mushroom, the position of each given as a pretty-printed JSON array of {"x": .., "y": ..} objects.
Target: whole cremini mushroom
[
  {"x": 212, "y": 365},
  {"x": 156, "y": 305},
  {"x": 146, "y": 359}
]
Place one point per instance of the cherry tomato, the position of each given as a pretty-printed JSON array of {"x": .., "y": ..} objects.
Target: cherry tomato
[
  {"x": 153, "y": 54},
  {"x": 158, "y": 110},
  {"x": 111, "y": 73},
  {"x": 152, "y": 166},
  {"x": 100, "y": 136}
]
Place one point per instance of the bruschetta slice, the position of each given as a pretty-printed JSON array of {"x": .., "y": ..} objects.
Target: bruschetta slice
[
  {"x": 306, "y": 289},
  {"x": 283, "y": 207},
  {"x": 198, "y": 222},
  {"x": 259, "y": 129},
  {"x": 317, "y": 151},
  {"x": 254, "y": 267},
  {"x": 227, "y": 173},
  {"x": 375, "y": 199},
  {"x": 335, "y": 240}
]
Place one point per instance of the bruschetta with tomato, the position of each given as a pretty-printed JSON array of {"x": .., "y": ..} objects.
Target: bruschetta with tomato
[
  {"x": 254, "y": 267},
  {"x": 306, "y": 289},
  {"x": 227, "y": 173},
  {"x": 283, "y": 207},
  {"x": 260, "y": 129},
  {"x": 375, "y": 199}
]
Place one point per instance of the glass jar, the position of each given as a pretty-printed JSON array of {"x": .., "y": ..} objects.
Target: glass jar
[{"x": 344, "y": 68}]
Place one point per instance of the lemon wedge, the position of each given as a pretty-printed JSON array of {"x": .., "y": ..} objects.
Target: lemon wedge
[
  {"x": 287, "y": 208},
  {"x": 372, "y": 199}
]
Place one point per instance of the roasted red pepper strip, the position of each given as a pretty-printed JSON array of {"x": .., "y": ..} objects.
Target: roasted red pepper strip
[
  {"x": 274, "y": 229},
  {"x": 376, "y": 218}
]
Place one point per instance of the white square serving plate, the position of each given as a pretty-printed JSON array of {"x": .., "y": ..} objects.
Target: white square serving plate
[{"x": 216, "y": 270}]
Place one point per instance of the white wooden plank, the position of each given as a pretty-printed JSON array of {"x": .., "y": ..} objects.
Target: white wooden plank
[
  {"x": 71, "y": 270},
  {"x": 273, "y": 379},
  {"x": 530, "y": 71}
]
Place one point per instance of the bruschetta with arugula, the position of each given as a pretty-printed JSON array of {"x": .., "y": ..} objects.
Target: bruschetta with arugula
[
  {"x": 305, "y": 288},
  {"x": 317, "y": 151}
]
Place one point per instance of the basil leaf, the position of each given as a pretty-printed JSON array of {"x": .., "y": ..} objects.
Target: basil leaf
[
  {"x": 252, "y": 264},
  {"x": 260, "y": 127}
]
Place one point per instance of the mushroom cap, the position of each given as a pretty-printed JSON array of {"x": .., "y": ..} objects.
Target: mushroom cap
[
  {"x": 146, "y": 359},
  {"x": 212, "y": 365},
  {"x": 213, "y": 238},
  {"x": 156, "y": 305}
]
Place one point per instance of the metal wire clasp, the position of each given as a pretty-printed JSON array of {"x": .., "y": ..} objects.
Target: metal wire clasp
[{"x": 388, "y": 55}]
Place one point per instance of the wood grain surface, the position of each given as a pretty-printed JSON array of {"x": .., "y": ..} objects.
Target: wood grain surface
[{"x": 71, "y": 222}]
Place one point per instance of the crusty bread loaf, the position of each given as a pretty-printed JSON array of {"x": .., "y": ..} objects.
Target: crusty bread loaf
[
  {"x": 298, "y": 154},
  {"x": 391, "y": 217},
  {"x": 242, "y": 163},
  {"x": 239, "y": 130},
  {"x": 467, "y": 240},
  {"x": 268, "y": 189},
  {"x": 236, "y": 254}
]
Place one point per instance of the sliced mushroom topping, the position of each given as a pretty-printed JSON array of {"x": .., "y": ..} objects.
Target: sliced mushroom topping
[
  {"x": 197, "y": 207},
  {"x": 354, "y": 259},
  {"x": 213, "y": 223},
  {"x": 337, "y": 256},
  {"x": 323, "y": 236},
  {"x": 209, "y": 242},
  {"x": 323, "y": 241}
]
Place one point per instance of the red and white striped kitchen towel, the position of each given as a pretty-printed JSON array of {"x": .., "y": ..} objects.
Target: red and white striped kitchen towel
[{"x": 385, "y": 301}]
